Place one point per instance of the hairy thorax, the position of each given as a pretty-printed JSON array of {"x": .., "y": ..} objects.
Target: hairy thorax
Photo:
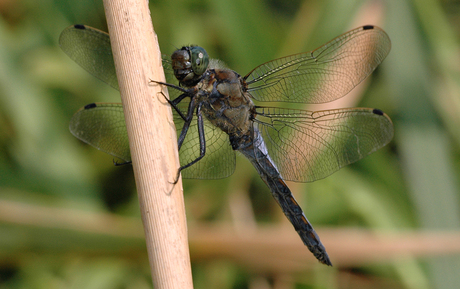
[{"x": 225, "y": 103}]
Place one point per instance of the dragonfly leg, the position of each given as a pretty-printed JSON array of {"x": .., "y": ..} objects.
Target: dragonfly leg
[
  {"x": 201, "y": 138},
  {"x": 187, "y": 122},
  {"x": 169, "y": 85},
  {"x": 175, "y": 102}
]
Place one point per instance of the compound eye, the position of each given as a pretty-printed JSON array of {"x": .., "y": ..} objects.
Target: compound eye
[{"x": 199, "y": 59}]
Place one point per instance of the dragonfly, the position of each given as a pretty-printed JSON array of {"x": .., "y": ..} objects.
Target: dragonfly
[{"x": 215, "y": 113}]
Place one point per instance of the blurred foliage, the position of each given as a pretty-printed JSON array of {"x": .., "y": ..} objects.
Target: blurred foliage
[{"x": 50, "y": 181}]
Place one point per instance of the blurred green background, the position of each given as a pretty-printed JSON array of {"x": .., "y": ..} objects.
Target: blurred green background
[{"x": 70, "y": 219}]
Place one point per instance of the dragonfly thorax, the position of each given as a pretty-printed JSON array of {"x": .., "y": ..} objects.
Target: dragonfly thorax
[{"x": 225, "y": 103}]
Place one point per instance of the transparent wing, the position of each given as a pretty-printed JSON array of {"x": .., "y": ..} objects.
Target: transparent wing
[
  {"x": 90, "y": 48},
  {"x": 102, "y": 125},
  {"x": 324, "y": 74},
  {"x": 307, "y": 146}
]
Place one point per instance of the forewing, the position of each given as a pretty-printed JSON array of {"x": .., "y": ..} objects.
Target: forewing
[
  {"x": 102, "y": 125},
  {"x": 307, "y": 146},
  {"x": 324, "y": 74},
  {"x": 90, "y": 48}
]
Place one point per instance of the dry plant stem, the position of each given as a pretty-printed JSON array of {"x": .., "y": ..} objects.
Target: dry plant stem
[{"x": 152, "y": 139}]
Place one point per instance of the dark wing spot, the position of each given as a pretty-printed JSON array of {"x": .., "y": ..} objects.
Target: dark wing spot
[
  {"x": 368, "y": 27},
  {"x": 91, "y": 105},
  {"x": 377, "y": 111},
  {"x": 79, "y": 26}
]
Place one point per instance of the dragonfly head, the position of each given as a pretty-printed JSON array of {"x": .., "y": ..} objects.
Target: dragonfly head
[{"x": 189, "y": 64}]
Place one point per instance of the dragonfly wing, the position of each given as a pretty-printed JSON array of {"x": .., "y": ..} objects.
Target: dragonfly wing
[
  {"x": 102, "y": 125},
  {"x": 307, "y": 146},
  {"x": 90, "y": 48},
  {"x": 324, "y": 74}
]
